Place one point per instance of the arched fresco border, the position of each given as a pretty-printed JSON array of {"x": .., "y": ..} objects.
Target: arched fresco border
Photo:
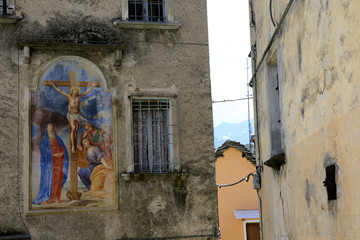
[{"x": 28, "y": 161}]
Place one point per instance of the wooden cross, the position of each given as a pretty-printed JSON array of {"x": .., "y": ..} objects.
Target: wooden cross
[
  {"x": 73, "y": 194},
  {"x": 71, "y": 83}
]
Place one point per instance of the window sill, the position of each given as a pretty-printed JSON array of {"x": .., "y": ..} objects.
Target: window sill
[
  {"x": 276, "y": 161},
  {"x": 130, "y": 177},
  {"x": 146, "y": 25},
  {"x": 9, "y": 19}
]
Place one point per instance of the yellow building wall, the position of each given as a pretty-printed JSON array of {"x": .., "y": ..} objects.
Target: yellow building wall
[
  {"x": 318, "y": 51},
  {"x": 231, "y": 168}
]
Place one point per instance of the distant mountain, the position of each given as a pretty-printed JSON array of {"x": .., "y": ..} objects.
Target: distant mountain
[{"x": 233, "y": 131}]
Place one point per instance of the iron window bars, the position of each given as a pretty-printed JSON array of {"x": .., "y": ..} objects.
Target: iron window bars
[
  {"x": 7, "y": 7},
  {"x": 147, "y": 10},
  {"x": 154, "y": 134},
  {"x": 3, "y": 7}
]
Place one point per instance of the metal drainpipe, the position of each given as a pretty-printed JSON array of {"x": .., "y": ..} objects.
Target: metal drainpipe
[
  {"x": 258, "y": 169},
  {"x": 253, "y": 80}
]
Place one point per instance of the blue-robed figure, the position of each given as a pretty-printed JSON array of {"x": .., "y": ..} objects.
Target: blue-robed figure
[{"x": 54, "y": 163}]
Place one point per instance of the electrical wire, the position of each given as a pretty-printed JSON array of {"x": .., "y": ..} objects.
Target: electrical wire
[
  {"x": 271, "y": 15},
  {"x": 248, "y": 99},
  {"x": 241, "y": 180},
  {"x": 272, "y": 40},
  {"x": 232, "y": 100},
  {"x": 252, "y": 21}
]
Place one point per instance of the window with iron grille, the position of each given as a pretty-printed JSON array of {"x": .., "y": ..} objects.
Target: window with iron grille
[
  {"x": 3, "y": 7},
  {"x": 7, "y": 7},
  {"x": 147, "y": 10},
  {"x": 154, "y": 134}
]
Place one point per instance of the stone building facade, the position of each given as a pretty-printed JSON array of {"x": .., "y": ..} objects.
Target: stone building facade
[
  {"x": 306, "y": 86},
  {"x": 141, "y": 70}
]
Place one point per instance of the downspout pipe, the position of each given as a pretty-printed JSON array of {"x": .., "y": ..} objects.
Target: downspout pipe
[{"x": 258, "y": 168}]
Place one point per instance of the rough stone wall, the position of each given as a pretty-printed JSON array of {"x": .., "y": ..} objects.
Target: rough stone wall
[
  {"x": 317, "y": 60},
  {"x": 154, "y": 60}
]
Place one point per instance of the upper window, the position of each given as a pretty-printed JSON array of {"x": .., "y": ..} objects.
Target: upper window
[
  {"x": 147, "y": 10},
  {"x": 154, "y": 134},
  {"x": 3, "y": 7},
  {"x": 6, "y": 7}
]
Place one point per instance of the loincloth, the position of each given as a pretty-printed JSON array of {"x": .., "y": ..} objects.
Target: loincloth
[{"x": 77, "y": 117}]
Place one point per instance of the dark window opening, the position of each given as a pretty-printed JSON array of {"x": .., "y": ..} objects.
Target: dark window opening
[
  {"x": 156, "y": 13},
  {"x": 330, "y": 182},
  {"x": 3, "y": 7},
  {"x": 147, "y": 10},
  {"x": 136, "y": 11}
]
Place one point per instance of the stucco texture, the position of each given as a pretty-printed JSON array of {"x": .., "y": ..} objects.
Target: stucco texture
[
  {"x": 165, "y": 62},
  {"x": 317, "y": 63}
]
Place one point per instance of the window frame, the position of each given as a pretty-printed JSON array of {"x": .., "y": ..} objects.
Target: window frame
[
  {"x": 3, "y": 8},
  {"x": 7, "y": 6},
  {"x": 173, "y": 148},
  {"x": 125, "y": 13},
  {"x": 146, "y": 11},
  {"x": 10, "y": 16},
  {"x": 249, "y": 221},
  {"x": 124, "y": 23}
]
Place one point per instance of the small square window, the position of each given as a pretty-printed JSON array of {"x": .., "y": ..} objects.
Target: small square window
[
  {"x": 154, "y": 134},
  {"x": 147, "y": 10}
]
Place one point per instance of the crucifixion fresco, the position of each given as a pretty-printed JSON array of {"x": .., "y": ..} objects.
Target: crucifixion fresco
[{"x": 71, "y": 135}]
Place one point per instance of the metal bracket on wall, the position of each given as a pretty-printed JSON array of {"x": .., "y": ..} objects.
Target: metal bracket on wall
[
  {"x": 26, "y": 54},
  {"x": 118, "y": 57}
]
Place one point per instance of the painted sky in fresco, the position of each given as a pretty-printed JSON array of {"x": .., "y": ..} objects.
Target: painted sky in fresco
[{"x": 50, "y": 106}]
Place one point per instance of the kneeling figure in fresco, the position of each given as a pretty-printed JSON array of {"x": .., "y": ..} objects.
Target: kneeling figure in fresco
[{"x": 98, "y": 176}]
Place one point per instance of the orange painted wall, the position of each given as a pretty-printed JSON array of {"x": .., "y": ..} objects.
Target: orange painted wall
[{"x": 231, "y": 168}]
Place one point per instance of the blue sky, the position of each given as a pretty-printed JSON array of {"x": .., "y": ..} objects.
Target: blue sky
[{"x": 229, "y": 39}]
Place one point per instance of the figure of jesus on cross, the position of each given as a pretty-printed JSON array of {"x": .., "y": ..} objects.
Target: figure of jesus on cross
[
  {"x": 75, "y": 120},
  {"x": 74, "y": 116}
]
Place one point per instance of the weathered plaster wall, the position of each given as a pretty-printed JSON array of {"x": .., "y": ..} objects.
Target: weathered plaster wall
[
  {"x": 9, "y": 171},
  {"x": 155, "y": 60},
  {"x": 318, "y": 51}
]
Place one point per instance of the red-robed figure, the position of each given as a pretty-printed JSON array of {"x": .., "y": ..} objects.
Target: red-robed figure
[{"x": 54, "y": 163}]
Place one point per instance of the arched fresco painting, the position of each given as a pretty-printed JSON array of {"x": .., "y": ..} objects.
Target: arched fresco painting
[{"x": 72, "y": 158}]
